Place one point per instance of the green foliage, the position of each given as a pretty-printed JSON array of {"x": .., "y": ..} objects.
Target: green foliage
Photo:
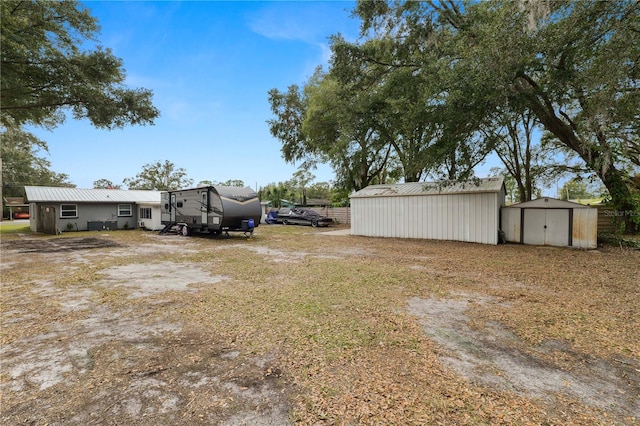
[
  {"x": 45, "y": 72},
  {"x": 328, "y": 122},
  {"x": 233, "y": 182},
  {"x": 23, "y": 162},
  {"x": 572, "y": 65},
  {"x": 575, "y": 189},
  {"x": 289, "y": 109},
  {"x": 619, "y": 240},
  {"x": 105, "y": 184},
  {"x": 159, "y": 176},
  {"x": 320, "y": 190},
  {"x": 230, "y": 182},
  {"x": 275, "y": 192}
]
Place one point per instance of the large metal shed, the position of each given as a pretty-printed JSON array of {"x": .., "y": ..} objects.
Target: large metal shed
[
  {"x": 551, "y": 222},
  {"x": 458, "y": 211}
]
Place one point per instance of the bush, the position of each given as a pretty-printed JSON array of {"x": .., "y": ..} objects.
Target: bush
[{"x": 618, "y": 240}]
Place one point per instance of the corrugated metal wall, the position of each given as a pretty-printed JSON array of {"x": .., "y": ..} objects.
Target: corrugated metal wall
[
  {"x": 458, "y": 217},
  {"x": 585, "y": 228},
  {"x": 511, "y": 221}
]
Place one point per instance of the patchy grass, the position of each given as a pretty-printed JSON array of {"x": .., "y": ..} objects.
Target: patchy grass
[
  {"x": 14, "y": 228},
  {"x": 329, "y": 313}
]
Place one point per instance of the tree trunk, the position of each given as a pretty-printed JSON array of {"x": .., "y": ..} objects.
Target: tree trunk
[{"x": 597, "y": 157}]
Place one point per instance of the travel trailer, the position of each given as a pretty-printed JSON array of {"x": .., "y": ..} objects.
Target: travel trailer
[{"x": 210, "y": 209}]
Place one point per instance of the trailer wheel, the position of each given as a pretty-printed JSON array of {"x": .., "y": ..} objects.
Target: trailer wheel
[
  {"x": 314, "y": 223},
  {"x": 285, "y": 222},
  {"x": 185, "y": 230}
]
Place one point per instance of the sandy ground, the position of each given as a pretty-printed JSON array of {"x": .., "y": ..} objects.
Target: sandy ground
[
  {"x": 123, "y": 366},
  {"x": 111, "y": 352}
]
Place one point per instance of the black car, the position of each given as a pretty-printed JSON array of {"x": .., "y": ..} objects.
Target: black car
[{"x": 302, "y": 216}]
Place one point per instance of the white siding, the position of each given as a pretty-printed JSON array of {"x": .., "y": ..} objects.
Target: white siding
[
  {"x": 511, "y": 224},
  {"x": 459, "y": 217},
  {"x": 153, "y": 224}
]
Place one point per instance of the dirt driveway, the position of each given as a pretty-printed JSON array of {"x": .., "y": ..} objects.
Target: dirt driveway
[{"x": 297, "y": 326}]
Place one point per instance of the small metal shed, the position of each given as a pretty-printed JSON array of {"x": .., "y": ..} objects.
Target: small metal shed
[
  {"x": 551, "y": 222},
  {"x": 458, "y": 211}
]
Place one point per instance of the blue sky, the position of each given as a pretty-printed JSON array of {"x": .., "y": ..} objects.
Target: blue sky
[{"x": 210, "y": 65}]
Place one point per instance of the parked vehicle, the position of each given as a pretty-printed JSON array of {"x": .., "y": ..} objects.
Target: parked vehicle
[
  {"x": 302, "y": 216},
  {"x": 214, "y": 209}
]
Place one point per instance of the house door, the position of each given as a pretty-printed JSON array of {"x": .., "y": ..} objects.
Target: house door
[
  {"x": 548, "y": 227},
  {"x": 47, "y": 220},
  {"x": 165, "y": 207}
]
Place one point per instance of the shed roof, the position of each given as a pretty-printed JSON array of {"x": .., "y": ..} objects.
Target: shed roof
[
  {"x": 36, "y": 194},
  {"x": 549, "y": 203},
  {"x": 432, "y": 188},
  {"x": 14, "y": 201}
]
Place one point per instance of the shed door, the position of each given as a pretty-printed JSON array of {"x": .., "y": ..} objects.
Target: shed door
[{"x": 549, "y": 227}]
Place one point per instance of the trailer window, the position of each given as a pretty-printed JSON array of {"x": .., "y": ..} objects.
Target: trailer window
[
  {"x": 124, "y": 209},
  {"x": 145, "y": 213},
  {"x": 179, "y": 204},
  {"x": 68, "y": 210}
]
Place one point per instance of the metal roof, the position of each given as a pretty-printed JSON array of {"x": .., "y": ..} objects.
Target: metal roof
[
  {"x": 37, "y": 194},
  {"x": 238, "y": 193},
  {"x": 431, "y": 188},
  {"x": 549, "y": 203}
]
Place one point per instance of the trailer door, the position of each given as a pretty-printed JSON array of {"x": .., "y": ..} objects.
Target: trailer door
[
  {"x": 173, "y": 208},
  {"x": 204, "y": 208}
]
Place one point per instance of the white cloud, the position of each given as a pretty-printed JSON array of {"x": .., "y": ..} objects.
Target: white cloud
[{"x": 304, "y": 21}]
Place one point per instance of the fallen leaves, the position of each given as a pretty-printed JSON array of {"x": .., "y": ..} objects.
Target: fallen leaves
[{"x": 327, "y": 317}]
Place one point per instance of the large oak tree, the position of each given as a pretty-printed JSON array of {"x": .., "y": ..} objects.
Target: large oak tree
[
  {"x": 53, "y": 67},
  {"x": 573, "y": 65},
  {"x": 159, "y": 176},
  {"x": 46, "y": 71}
]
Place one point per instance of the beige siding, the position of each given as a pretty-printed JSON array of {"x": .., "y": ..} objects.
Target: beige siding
[
  {"x": 340, "y": 215},
  {"x": 585, "y": 228},
  {"x": 606, "y": 214},
  {"x": 584, "y": 233},
  {"x": 459, "y": 217}
]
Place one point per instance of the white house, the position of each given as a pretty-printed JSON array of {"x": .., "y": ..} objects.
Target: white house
[{"x": 54, "y": 209}]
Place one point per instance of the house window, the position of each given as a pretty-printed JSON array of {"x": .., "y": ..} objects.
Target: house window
[
  {"x": 124, "y": 209},
  {"x": 68, "y": 210},
  {"x": 145, "y": 213}
]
